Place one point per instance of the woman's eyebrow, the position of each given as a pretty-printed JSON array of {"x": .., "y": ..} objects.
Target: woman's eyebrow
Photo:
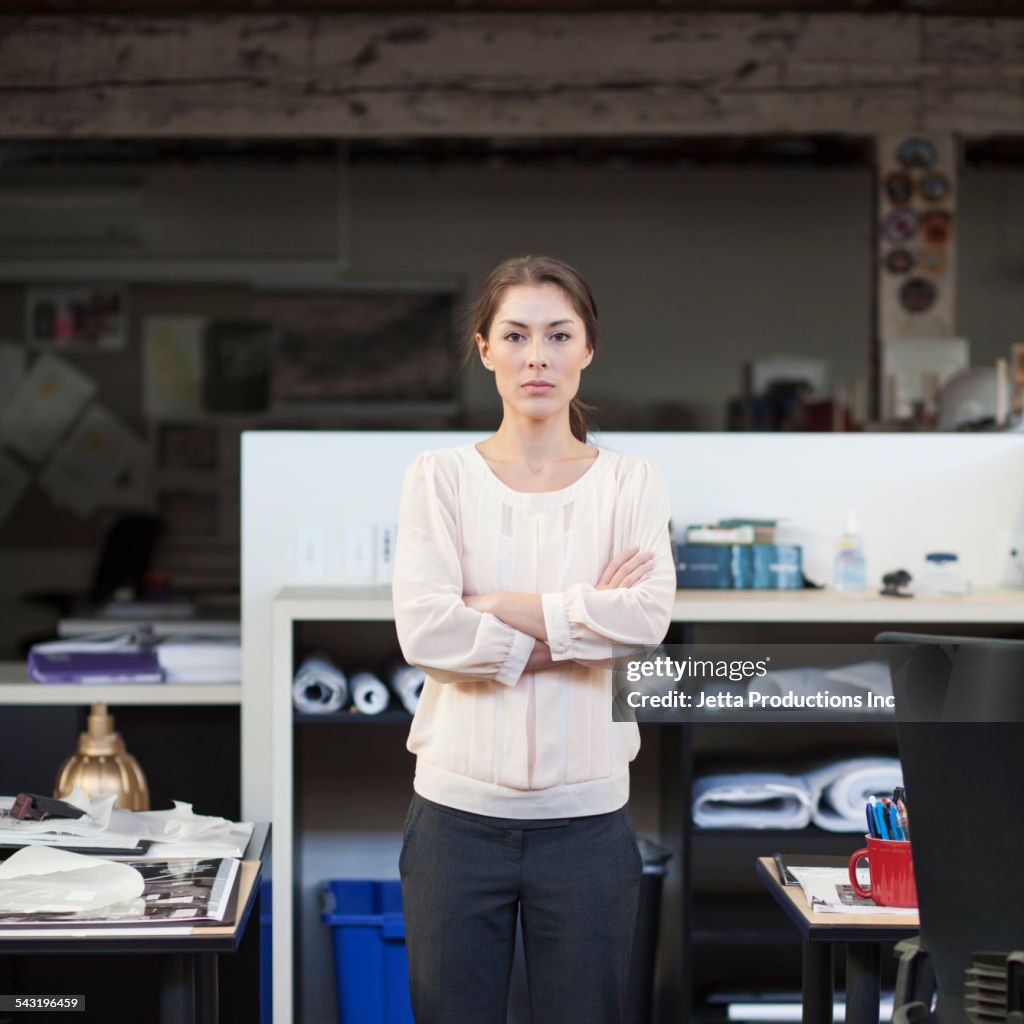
[{"x": 554, "y": 323}]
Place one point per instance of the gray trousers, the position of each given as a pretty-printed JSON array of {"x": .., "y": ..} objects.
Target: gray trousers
[{"x": 575, "y": 883}]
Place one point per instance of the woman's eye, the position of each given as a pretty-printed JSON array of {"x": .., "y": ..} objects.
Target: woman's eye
[
  {"x": 513, "y": 336},
  {"x": 560, "y": 336}
]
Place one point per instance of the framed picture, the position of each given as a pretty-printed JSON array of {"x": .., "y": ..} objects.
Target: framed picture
[
  {"x": 365, "y": 345},
  {"x": 78, "y": 318}
]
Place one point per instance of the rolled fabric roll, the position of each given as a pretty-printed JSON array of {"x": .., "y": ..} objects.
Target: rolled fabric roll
[
  {"x": 406, "y": 684},
  {"x": 369, "y": 694},
  {"x": 319, "y": 686},
  {"x": 840, "y": 790},
  {"x": 751, "y": 800}
]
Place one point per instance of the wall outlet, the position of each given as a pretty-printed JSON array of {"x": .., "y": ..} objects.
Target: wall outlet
[
  {"x": 360, "y": 542},
  {"x": 310, "y": 552},
  {"x": 386, "y": 533}
]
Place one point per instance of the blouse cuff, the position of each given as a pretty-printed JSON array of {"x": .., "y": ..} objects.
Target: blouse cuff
[
  {"x": 516, "y": 659},
  {"x": 555, "y": 608}
]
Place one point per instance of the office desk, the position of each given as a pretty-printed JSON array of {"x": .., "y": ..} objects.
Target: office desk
[
  {"x": 189, "y": 989},
  {"x": 863, "y": 934}
]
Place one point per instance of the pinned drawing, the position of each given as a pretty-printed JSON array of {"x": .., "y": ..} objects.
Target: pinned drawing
[{"x": 43, "y": 406}]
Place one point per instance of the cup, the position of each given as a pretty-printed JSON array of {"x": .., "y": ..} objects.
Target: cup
[{"x": 892, "y": 873}]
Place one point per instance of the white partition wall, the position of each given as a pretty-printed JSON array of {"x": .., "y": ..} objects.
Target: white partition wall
[{"x": 309, "y": 497}]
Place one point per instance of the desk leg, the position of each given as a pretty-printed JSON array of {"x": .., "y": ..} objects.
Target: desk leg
[
  {"x": 177, "y": 990},
  {"x": 862, "y": 985},
  {"x": 207, "y": 993},
  {"x": 817, "y": 983}
]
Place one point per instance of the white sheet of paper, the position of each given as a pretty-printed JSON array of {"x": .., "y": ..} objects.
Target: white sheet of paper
[
  {"x": 88, "y": 461},
  {"x": 172, "y": 365},
  {"x": 38, "y": 880},
  {"x": 43, "y": 406},
  {"x": 14, "y": 478}
]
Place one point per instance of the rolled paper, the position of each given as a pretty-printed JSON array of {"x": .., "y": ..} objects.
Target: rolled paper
[
  {"x": 319, "y": 686},
  {"x": 406, "y": 683},
  {"x": 369, "y": 694}
]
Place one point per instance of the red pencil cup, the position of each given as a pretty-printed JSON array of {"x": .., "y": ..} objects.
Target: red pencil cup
[{"x": 892, "y": 873}]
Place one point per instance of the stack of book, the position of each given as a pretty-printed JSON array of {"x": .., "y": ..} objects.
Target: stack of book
[{"x": 737, "y": 554}]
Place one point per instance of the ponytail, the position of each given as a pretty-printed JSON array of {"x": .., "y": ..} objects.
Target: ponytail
[{"x": 578, "y": 419}]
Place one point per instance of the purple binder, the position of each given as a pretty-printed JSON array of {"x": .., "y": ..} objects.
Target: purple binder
[{"x": 95, "y": 667}]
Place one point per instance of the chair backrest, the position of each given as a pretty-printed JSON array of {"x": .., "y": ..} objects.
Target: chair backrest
[{"x": 960, "y": 730}]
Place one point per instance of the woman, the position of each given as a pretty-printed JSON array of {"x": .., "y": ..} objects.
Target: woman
[{"x": 520, "y": 563}]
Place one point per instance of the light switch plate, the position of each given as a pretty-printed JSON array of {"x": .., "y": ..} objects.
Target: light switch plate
[
  {"x": 386, "y": 533},
  {"x": 310, "y": 552},
  {"x": 359, "y": 553}
]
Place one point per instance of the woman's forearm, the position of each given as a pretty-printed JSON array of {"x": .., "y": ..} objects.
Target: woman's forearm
[
  {"x": 540, "y": 658},
  {"x": 520, "y": 611}
]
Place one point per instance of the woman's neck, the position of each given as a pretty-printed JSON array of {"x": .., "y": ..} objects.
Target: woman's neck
[{"x": 534, "y": 444}]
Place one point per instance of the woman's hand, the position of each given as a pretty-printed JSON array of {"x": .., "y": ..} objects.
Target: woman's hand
[{"x": 626, "y": 569}]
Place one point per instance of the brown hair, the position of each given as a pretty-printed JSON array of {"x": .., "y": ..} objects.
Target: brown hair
[{"x": 537, "y": 270}]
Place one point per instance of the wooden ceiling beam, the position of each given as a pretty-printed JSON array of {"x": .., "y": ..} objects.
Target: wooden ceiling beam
[
  {"x": 969, "y": 8},
  {"x": 479, "y": 75}
]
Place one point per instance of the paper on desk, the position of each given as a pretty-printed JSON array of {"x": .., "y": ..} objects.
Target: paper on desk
[
  {"x": 97, "y": 809},
  {"x": 828, "y": 891},
  {"x": 178, "y": 824},
  {"x": 180, "y": 832},
  {"x": 229, "y": 843},
  {"x": 41, "y": 880}
]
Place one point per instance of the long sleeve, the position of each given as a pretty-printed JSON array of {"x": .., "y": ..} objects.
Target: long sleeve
[
  {"x": 436, "y": 631},
  {"x": 586, "y": 624}
]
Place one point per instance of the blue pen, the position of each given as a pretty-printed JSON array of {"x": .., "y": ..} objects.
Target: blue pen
[
  {"x": 880, "y": 829},
  {"x": 869, "y": 813},
  {"x": 894, "y": 823}
]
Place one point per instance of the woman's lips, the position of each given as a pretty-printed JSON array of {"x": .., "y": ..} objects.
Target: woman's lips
[{"x": 535, "y": 387}]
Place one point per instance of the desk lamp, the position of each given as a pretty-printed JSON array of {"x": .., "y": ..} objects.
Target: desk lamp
[{"x": 102, "y": 765}]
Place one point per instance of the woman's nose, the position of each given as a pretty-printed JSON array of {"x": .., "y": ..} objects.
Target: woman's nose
[{"x": 536, "y": 356}]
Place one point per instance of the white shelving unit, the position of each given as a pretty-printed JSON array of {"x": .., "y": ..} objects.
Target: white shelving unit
[
  {"x": 16, "y": 688},
  {"x": 295, "y": 604}
]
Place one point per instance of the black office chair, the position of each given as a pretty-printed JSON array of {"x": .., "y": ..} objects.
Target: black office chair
[{"x": 960, "y": 730}]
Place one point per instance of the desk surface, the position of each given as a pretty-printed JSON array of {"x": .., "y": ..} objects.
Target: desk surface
[
  {"x": 818, "y": 927},
  {"x": 151, "y": 938}
]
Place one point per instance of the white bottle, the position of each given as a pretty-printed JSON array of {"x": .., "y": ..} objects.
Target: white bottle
[{"x": 850, "y": 569}]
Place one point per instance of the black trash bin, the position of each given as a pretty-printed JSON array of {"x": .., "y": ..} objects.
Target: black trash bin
[{"x": 640, "y": 992}]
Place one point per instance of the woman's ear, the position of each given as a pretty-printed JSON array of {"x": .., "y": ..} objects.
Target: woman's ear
[
  {"x": 588, "y": 357},
  {"x": 485, "y": 351}
]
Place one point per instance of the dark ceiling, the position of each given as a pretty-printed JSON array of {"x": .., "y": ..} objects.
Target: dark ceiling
[{"x": 819, "y": 150}]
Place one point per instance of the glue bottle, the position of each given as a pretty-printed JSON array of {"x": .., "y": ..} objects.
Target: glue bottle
[{"x": 850, "y": 571}]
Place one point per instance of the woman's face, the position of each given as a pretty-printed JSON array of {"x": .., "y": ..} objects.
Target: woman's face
[{"x": 536, "y": 347}]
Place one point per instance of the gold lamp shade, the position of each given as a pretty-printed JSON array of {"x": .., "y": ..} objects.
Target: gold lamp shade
[{"x": 101, "y": 765}]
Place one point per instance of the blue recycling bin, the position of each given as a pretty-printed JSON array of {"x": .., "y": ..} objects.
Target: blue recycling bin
[
  {"x": 368, "y": 935},
  {"x": 266, "y": 952}
]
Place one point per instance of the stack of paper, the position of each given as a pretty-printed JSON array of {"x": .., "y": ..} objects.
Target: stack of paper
[
  {"x": 197, "y": 659},
  {"x": 828, "y": 891},
  {"x": 177, "y": 832}
]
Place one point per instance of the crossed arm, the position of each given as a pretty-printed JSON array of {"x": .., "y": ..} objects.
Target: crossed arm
[{"x": 524, "y": 611}]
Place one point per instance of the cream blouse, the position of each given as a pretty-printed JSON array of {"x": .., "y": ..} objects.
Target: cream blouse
[{"x": 488, "y": 736}]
